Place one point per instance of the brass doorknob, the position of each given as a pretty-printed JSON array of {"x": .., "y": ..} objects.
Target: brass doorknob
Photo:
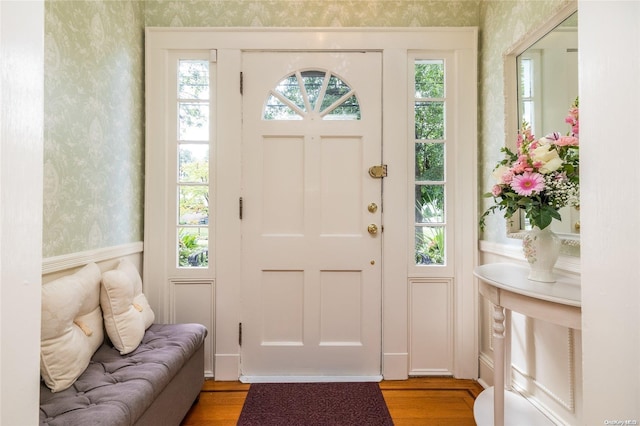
[{"x": 372, "y": 228}]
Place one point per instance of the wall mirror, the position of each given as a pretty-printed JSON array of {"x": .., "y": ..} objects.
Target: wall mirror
[{"x": 541, "y": 83}]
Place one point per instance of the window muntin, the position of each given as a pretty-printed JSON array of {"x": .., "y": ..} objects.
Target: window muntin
[
  {"x": 527, "y": 91},
  {"x": 192, "y": 168},
  {"x": 303, "y": 93},
  {"x": 530, "y": 90},
  {"x": 429, "y": 106}
]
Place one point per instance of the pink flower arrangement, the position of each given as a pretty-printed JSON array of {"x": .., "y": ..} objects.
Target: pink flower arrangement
[
  {"x": 573, "y": 119},
  {"x": 541, "y": 177},
  {"x": 527, "y": 183}
]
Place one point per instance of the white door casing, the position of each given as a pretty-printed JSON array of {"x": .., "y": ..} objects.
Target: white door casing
[
  {"x": 311, "y": 285},
  {"x": 395, "y": 46}
]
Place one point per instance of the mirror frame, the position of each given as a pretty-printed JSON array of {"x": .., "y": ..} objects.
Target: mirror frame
[{"x": 511, "y": 121}]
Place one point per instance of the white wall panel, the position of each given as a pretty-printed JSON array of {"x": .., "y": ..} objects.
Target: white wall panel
[
  {"x": 610, "y": 230},
  {"x": 431, "y": 318},
  {"x": 22, "y": 57},
  {"x": 542, "y": 360},
  {"x": 193, "y": 302}
]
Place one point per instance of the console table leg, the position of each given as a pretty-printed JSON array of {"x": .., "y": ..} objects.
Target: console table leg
[{"x": 498, "y": 365}]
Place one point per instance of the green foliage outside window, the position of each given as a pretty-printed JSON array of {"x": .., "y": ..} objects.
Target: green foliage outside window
[
  {"x": 430, "y": 246},
  {"x": 429, "y": 242},
  {"x": 191, "y": 251},
  {"x": 429, "y": 118},
  {"x": 193, "y": 163},
  {"x": 193, "y": 209}
]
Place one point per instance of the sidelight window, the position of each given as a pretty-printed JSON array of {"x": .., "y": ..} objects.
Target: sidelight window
[
  {"x": 192, "y": 168},
  {"x": 429, "y": 124}
]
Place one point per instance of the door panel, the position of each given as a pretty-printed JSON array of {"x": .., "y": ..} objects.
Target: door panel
[
  {"x": 311, "y": 287},
  {"x": 341, "y": 167},
  {"x": 283, "y": 185}
]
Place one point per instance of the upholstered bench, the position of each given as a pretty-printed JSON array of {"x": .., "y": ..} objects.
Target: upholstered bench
[
  {"x": 154, "y": 385},
  {"x": 135, "y": 373}
]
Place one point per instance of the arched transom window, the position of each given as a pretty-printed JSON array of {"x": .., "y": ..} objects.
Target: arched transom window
[{"x": 312, "y": 92}]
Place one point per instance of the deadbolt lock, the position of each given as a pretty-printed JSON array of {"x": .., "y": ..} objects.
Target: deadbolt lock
[
  {"x": 372, "y": 228},
  {"x": 378, "y": 172},
  {"x": 373, "y": 207}
]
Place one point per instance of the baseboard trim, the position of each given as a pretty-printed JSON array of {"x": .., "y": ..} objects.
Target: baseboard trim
[
  {"x": 308, "y": 379},
  {"x": 395, "y": 366},
  {"x": 227, "y": 367},
  {"x": 74, "y": 260}
]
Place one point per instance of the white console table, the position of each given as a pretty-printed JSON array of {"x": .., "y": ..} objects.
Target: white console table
[{"x": 507, "y": 287}]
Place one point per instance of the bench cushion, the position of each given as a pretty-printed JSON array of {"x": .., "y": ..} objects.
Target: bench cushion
[
  {"x": 117, "y": 389},
  {"x": 72, "y": 328},
  {"x": 125, "y": 309}
]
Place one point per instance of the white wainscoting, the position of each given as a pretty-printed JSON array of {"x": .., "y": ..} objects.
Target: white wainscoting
[
  {"x": 431, "y": 327},
  {"x": 192, "y": 301},
  {"x": 106, "y": 258},
  {"x": 545, "y": 358}
]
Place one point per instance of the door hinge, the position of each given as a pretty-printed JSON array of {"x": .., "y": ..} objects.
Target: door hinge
[
  {"x": 239, "y": 334},
  {"x": 240, "y": 207},
  {"x": 378, "y": 172},
  {"x": 241, "y": 83}
]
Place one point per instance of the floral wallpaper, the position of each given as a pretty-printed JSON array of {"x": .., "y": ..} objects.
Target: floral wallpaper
[
  {"x": 94, "y": 93},
  {"x": 94, "y": 99},
  {"x": 307, "y": 13},
  {"x": 94, "y": 121}
]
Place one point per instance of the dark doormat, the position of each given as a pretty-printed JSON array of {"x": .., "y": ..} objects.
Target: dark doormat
[{"x": 306, "y": 404}]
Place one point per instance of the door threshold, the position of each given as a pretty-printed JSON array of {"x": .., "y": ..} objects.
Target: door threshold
[{"x": 308, "y": 379}]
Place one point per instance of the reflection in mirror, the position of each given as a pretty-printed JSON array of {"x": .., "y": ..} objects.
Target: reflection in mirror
[
  {"x": 541, "y": 83},
  {"x": 548, "y": 85}
]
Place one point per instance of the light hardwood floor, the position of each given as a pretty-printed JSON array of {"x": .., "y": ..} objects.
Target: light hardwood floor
[{"x": 417, "y": 401}]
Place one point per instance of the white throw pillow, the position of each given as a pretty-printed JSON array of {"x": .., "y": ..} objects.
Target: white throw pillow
[
  {"x": 126, "y": 312},
  {"x": 71, "y": 328}
]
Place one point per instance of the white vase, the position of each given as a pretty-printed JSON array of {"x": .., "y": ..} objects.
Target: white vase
[{"x": 541, "y": 248}]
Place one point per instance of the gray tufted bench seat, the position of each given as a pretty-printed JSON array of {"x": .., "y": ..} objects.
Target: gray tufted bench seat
[{"x": 156, "y": 384}]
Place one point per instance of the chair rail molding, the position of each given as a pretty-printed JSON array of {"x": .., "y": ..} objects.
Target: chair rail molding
[{"x": 74, "y": 260}]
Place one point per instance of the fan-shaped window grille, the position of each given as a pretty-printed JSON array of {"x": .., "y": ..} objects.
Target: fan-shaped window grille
[{"x": 312, "y": 92}]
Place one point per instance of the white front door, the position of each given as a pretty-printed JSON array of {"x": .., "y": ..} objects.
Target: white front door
[{"x": 311, "y": 264}]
